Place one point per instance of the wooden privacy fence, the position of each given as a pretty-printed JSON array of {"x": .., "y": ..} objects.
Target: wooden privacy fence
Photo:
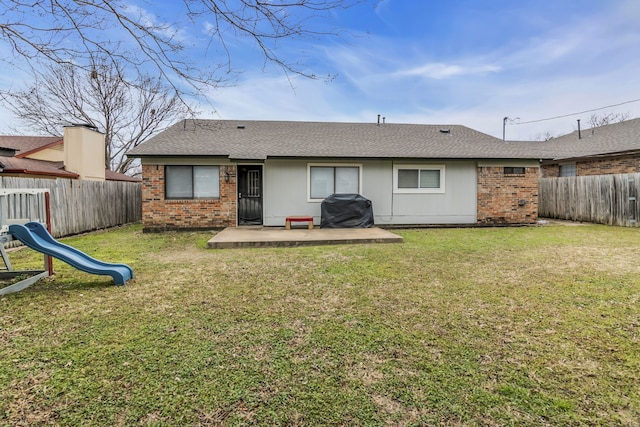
[
  {"x": 604, "y": 199},
  {"x": 78, "y": 206}
]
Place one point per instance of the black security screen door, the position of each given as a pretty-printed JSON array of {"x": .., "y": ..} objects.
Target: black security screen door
[{"x": 250, "y": 195}]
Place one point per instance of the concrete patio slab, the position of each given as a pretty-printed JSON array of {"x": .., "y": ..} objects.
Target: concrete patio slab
[{"x": 254, "y": 237}]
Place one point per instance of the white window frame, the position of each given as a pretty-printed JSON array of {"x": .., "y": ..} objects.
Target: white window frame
[
  {"x": 331, "y": 165},
  {"x": 439, "y": 190}
]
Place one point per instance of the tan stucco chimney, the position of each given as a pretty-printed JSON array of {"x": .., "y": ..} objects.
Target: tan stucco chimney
[{"x": 84, "y": 152}]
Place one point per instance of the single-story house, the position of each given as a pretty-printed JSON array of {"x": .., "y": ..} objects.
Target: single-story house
[
  {"x": 609, "y": 149},
  {"x": 201, "y": 174},
  {"x": 79, "y": 154}
]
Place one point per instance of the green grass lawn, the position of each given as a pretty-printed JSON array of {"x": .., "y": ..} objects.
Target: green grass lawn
[{"x": 491, "y": 326}]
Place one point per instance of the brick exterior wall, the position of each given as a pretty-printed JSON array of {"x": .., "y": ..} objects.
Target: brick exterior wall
[
  {"x": 507, "y": 199},
  {"x": 549, "y": 171},
  {"x": 601, "y": 166},
  {"x": 159, "y": 214},
  {"x": 627, "y": 164},
  {"x": 499, "y": 200}
]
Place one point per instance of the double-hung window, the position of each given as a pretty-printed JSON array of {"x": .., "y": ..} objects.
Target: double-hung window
[
  {"x": 192, "y": 182},
  {"x": 418, "y": 179},
  {"x": 325, "y": 180}
]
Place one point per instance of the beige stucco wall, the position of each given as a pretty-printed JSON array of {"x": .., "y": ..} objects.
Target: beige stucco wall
[
  {"x": 84, "y": 152},
  {"x": 55, "y": 154}
]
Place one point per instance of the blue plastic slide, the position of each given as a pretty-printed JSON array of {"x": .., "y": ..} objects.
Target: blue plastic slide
[{"x": 36, "y": 236}]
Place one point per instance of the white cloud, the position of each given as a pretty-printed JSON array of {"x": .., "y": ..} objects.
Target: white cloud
[
  {"x": 443, "y": 71},
  {"x": 209, "y": 28},
  {"x": 277, "y": 98},
  {"x": 574, "y": 66},
  {"x": 381, "y": 6},
  {"x": 151, "y": 21}
]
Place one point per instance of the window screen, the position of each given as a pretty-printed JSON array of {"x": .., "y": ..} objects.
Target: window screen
[
  {"x": 429, "y": 179},
  {"x": 179, "y": 182},
  {"x": 408, "y": 178},
  {"x": 568, "y": 170},
  {"x": 206, "y": 182}
]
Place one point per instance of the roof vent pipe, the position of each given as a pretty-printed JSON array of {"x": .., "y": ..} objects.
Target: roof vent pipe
[
  {"x": 384, "y": 120},
  {"x": 504, "y": 126},
  {"x": 378, "y": 119},
  {"x": 579, "y": 134}
]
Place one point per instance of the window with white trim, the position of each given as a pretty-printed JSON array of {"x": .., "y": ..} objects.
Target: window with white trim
[
  {"x": 192, "y": 182},
  {"x": 325, "y": 180},
  {"x": 418, "y": 179},
  {"x": 568, "y": 170}
]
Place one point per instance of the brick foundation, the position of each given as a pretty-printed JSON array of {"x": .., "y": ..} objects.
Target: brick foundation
[
  {"x": 159, "y": 214},
  {"x": 507, "y": 199}
]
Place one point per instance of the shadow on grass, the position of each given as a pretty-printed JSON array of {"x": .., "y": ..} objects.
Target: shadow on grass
[{"x": 54, "y": 284}]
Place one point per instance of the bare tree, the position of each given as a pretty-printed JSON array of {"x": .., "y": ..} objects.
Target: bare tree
[
  {"x": 127, "y": 112},
  {"x": 546, "y": 136},
  {"x": 73, "y": 31},
  {"x": 597, "y": 120}
]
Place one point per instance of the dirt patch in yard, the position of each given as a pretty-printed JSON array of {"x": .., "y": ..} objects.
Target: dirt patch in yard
[{"x": 553, "y": 221}]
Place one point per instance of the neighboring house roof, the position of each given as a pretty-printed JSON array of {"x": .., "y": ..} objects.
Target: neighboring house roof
[
  {"x": 26, "y": 145},
  {"x": 248, "y": 139},
  {"x": 34, "y": 167},
  {"x": 29, "y": 144},
  {"x": 613, "y": 139},
  {"x": 115, "y": 176}
]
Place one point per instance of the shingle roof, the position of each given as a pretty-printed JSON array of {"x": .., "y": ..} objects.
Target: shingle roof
[
  {"x": 25, "y": 145},
  {"x": 610, "y": 139},
  {"x": 28, "y": 144},
  {"x": 247, "y": 139},
  {"x": 34, "y": 167},
  {"x": 116, "y": 176}
]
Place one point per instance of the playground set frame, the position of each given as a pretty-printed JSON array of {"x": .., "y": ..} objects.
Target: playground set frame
[{"x": 32, "y": 276}]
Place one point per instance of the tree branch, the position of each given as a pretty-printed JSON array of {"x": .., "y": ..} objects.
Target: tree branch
[{"x": 72, "y": 31}]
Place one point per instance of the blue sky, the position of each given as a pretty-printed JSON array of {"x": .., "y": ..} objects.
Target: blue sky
[{"x": 442, "y": 62}]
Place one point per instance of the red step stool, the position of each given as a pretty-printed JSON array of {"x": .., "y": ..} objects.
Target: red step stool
[{"x": 290, "y": 219}]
